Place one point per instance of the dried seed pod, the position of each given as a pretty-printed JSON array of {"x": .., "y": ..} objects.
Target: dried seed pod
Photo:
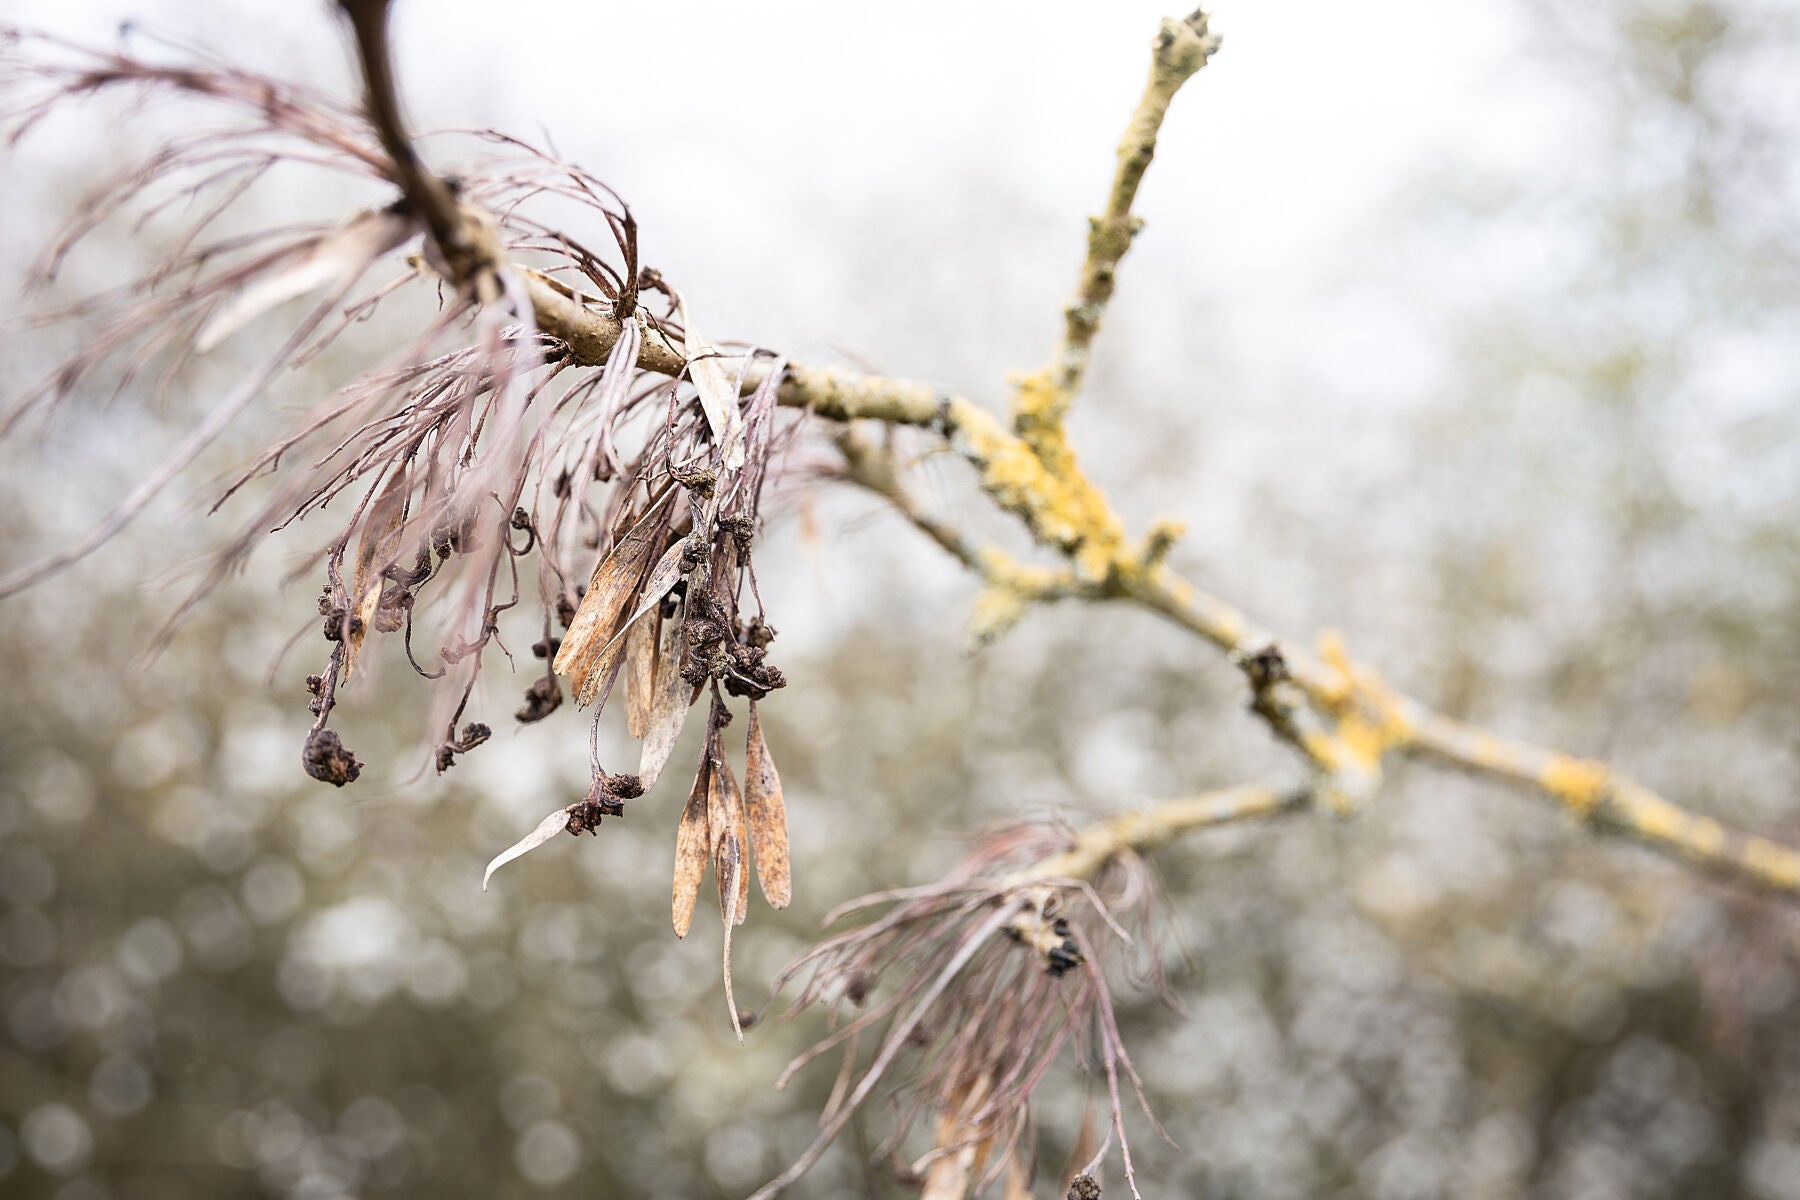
[
  {"x": 766, "y": 813},
  {"x": 378, "y": 546},
  {"x": 609, "y": 659},
  {"x": 640, "y": 675},
  {"x": 730, "y": 850},
  {"x": 669, "y": 705},
  {"x": 691, "y": 849},
  {"x": 590, "y": 654}
]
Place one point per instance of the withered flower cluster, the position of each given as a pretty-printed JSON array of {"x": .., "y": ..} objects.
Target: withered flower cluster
[
  {"x": 618, "y": 484},
  {"x": 482, "y": 462},
  {"x": 967, "y": 990}
]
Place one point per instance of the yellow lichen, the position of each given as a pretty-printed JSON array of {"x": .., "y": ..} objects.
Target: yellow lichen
[
  {"x": 997, "y": 609},
  {"x": 1364, "y": 742},
  {"x": 1701, "y": 837},
  {"x": 1039, "y": 481},
  {"x": 1011, "y": 588},
  {"x": 1039, "y": 403},
  {"x": 1338, "y": 687},
  {"x": 1323, "y": 749},
  {"x": 1580, "y": 784},
  {"x": 1371, "y": 718},
  {"x": 1775, "y": 863}
]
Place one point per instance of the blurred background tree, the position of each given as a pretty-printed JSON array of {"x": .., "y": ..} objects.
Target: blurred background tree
[{"x": 1514, "y": 410}]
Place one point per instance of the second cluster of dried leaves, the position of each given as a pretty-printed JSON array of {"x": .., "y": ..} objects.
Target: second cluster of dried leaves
[{"x": 731, "y": 828}]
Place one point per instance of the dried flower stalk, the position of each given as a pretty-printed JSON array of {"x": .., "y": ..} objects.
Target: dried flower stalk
[{"x": 994, "y": 972}]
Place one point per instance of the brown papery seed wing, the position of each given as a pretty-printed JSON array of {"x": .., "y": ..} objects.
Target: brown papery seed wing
[
  {"x": 609, "y": 657},
  {"x": 691, "y": 851},
  {"x": 725, "y": 804},
  {"x": 669, "y": 706},
  {"x": 640, "y": 675},
  {"x": 375, "y": 550},
  {"x": 589, "y": 654},
  {"x": 766, "y": 813}
]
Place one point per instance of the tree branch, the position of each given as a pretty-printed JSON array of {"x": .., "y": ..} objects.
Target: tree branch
[
  {"x": 1338, "y": 713},
  {"x": 1367, "y": 720},
  {"x": 1370, "y": 720},
  {"x": 1147, "y": 828},
  {"x": 458, "y": 239},
  {"x": 1010, "y": 588},
  {"x": 1180, "y": 50}
]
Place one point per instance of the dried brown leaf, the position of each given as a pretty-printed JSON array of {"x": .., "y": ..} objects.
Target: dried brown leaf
[
  {"x": 733, "y": 916},
  {"x": 669, "y": 705},
  {"x": 766, "y": 813},
  {"x": 379, "y": 543},
  {"x": 640, "y": 675},
  {"x": 718, "y": 393},
  {"x": 590, "y": 653},
  {"x": 692, "y": 849},
  {"x": 725, "y": 814}
]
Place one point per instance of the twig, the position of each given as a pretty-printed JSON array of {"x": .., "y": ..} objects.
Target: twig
[
  {"x": 1147, "y": 828},
  {"x": 1011, "y": 586},
  {"x": 1373, "y": 720},
  {"x": 1181, "y": 49},
  {"x": 428, "y": 197}
]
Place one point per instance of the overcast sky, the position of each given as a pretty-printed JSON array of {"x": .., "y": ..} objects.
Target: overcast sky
[{"x": 756, "y": 143}]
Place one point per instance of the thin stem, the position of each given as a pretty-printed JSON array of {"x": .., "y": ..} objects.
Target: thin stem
[
  {"x": 1181, "y": 48},
  {"x": 1147, "y": 828},
  {"x": 429, "y": 197}
]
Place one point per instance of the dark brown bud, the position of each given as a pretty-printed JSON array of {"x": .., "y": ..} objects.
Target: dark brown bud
[
  {"x": 1084, "y": 1187},
  {"x": 328, "y": 760},
  {"x": 542, "y": 698}
]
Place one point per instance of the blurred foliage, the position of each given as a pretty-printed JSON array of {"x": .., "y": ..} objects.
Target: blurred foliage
[{"x": 219, "y": 978}]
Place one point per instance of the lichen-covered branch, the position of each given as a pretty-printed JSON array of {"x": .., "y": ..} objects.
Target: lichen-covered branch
[
  {"x": 1362, "y": 720},
  {"x": 1181, "y": 48},
  {"x": 1348, "y": 720},
  {"x": 1592, "y": 791},
  {"x": 1011, "y": 587},
  {"x": 1083, "y": 522},
  {"x": 1145, "y": 829}
]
